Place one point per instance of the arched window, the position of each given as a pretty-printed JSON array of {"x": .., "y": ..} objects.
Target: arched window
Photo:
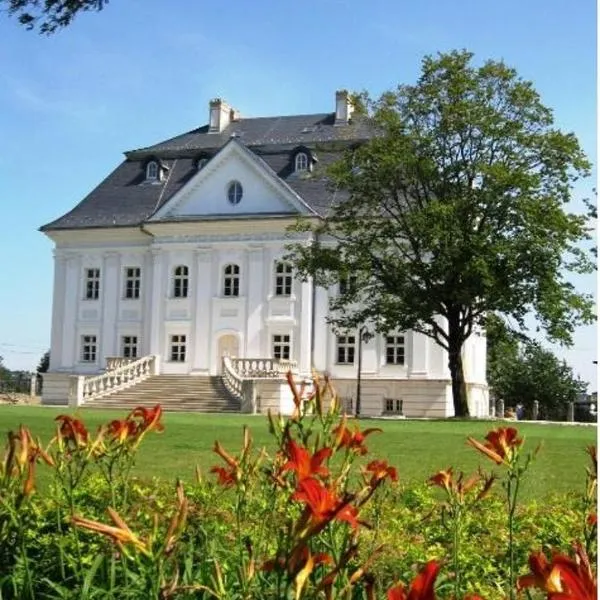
[
  {"x": 152, "y": 170},
  {"x": 234, "y": 192},
  {"x": 301, "y": 162},
  {"x": 180, "y": 282},
  {"x": 283, "y": 279},
  {"x": 231, "y": 280}
]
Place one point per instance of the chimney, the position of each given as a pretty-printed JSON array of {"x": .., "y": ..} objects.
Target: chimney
[
  {"x": 219, "y": 115},
  {"x": 343, "y": 107}
]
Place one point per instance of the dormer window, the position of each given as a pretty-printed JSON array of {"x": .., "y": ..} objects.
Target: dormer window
[
  {"x": 301, "y": 162},
  {"x": 152, "y": 171}
]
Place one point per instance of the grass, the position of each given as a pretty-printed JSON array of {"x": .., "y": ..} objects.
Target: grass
[{"x": 417, "y": 448}]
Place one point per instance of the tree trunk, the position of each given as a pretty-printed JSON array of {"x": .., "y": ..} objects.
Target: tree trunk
[
  {"x": 455, "y": 364},
  {"x": 459, "y": 388}
]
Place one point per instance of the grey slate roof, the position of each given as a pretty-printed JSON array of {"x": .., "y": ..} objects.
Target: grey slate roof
[{"x": 124, "y": 198}]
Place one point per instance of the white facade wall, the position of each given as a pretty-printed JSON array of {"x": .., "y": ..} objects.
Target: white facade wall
[{"x": 206, "y": 316}]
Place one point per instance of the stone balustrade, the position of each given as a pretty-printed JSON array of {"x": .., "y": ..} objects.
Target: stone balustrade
[
  {"x": 263, "y": 367},
  {"x": 115, "y": 362},
  {"x": 86, "y": 388}
]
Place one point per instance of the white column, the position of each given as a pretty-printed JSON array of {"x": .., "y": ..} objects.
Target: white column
[
  {"x": 202, "y": 311},
  {"x": 71, "y": 310},
  {"x": 145, "y": 342},
  {"x": 321, "y": 349},
  {"x": 418, "y": 362},
  {"x": 156, "y": 303},
  {"x": 58, "y": 311},
  {"x": 255, "y": 303},
  {"x": 109, "y": 286},
  {"x": 305, "y": 326}
]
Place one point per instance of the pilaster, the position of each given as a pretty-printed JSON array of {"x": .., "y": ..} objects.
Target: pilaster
[
  {"x": 156, "y": 302},
  {"x": 202, "y": 309},
  {"x": 109, "y": 289},
  {"x": 305, "y": 326},
  {"x": 418, "y": 360},
  {"x": 256, "y": 299},
  {"x": 71, "y": 296},
  {"x": 58, "y": 311}
]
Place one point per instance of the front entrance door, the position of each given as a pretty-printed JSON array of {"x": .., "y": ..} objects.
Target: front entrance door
[{"x": 228, "y": 346}]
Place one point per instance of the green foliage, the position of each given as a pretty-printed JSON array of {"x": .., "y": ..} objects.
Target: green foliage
[
  {"x": 49, "y": 15},
  {"x": 457, "y": 208},
  {"x": 44, "y": 363},
  {"x": 521, "y": 371}
]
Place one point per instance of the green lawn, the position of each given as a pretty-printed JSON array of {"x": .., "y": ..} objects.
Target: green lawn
[{"x": 417, "y": 448}]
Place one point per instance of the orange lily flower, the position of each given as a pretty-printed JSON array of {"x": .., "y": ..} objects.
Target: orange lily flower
[
  {"x": 323, "y": 504},
  {"x": 460, "y": 487},
  {"x": 562, "y": 578},
  {"x": 502, "y": 444},
  {"x": 72, "y": 430},
  {"x": 353, "y": 440},
  {"x": 592, "y": 519},
  {"x": 543, "y": 574},
  {"x": 422, "y": 586},
  {"x": 443, "y": 479},
  {"x": 120, "y": 533},
  {"x": 121, "y": 430},
  {"x": 591, "y": 450},
  {"x": 380, "y": 470},
  {"x": 230, "y": 475},
  {"x": 303, "y": 464},
  {"x": 150, "y": 417}
]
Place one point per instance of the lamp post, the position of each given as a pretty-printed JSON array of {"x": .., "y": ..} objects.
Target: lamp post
[{"x": 361, "y": 331}]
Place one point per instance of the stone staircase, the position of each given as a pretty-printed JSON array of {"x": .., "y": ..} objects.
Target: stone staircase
[{"x": 183, "y": 393}]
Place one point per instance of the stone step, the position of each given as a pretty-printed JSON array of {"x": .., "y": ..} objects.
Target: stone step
[{"x": 182, "y": 393}]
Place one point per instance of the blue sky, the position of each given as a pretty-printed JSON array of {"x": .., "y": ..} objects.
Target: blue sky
[{"x": 144, "y": 70}]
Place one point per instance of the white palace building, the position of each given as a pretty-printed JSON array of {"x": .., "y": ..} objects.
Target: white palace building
[{"x": 170, "y": 282}]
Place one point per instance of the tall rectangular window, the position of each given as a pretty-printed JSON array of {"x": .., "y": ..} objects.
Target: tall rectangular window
[
  {"x": 129, "y": 346},
  {"x": 281, "y": 346},
  {"x": 92, "y": 284},
  {"x": 180, "y": 282},
  {"x": 347, "y": 285},
  {"x": 394, "y": 350},
  {"x": 133, "y": 276},
  {"x": 88, "y": 348},
  {"x": 345, "y": 349},
  {"x": 231, "y": 280},
  {"x": 178, "y": 343},
  {"x": 283, "y": 279}
]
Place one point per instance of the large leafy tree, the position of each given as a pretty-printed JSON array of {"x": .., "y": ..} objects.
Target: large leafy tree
[
  {"x": 522, "y": 371},
  {"x": 49, "y": 15},
  {"x": 456, "y": 209}
]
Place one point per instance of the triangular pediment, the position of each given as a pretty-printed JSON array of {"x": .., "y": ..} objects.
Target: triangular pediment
[{"x": 207, "y": 192}]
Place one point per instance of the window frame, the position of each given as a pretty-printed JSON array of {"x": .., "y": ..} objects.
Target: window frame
[
  {"x": 281, "y": 343},
  {"x": 283, "y": 283},
  {"x": 235, "y": 192},
  {"x": 92, "y": 283},
  {"x": 89, "y": 348},
  {"x": 347, "y": 284},
  {"x": 231, "y": 281},
  {"x": 393, "y": 406},
  {"x": 129, "y": 346},
  {"x": 132, "y": 283},
  {"x": 398, "y": 349},
  {"x": 180, "y": 282},
  {"x": 345, "y": 349},
  {"x": 152, "y": 166},
  {"x": 178, "y": 348},
  {"x": 301, "y": 157}
]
